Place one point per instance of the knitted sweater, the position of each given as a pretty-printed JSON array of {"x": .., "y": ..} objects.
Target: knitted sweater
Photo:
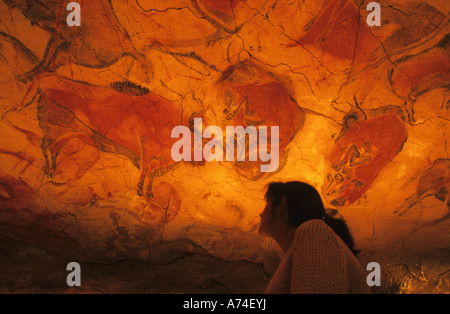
[{"x": 318, "y": 262}]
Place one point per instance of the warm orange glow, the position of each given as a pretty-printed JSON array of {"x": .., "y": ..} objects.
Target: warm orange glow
[{"x": 87, "y": 113}]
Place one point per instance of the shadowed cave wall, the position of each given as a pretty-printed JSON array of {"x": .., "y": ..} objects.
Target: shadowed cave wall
[{"x": 86, "y": 171}]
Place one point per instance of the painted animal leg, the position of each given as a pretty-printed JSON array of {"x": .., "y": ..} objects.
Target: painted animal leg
[
  {"x": 149, "y": 192},
  {"x": 140, "y": 185},
  {"x": 45, "y": 147},
  {"x": 60, "y": 142},
  {"x": 44, "y": 65}
]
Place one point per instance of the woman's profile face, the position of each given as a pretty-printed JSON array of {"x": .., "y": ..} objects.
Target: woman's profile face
[{"x": 265, "y": 226}]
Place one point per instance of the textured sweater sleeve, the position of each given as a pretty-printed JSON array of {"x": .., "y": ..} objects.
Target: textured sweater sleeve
[{"x": 318, "y": 263}]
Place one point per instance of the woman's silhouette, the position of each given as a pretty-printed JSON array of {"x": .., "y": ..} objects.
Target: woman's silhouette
[{"x": 319, "y": 254}]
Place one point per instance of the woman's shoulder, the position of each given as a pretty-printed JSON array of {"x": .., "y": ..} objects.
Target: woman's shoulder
[
  {"x": 315, "y": 230},
  {"x": 313, "y": 226}
]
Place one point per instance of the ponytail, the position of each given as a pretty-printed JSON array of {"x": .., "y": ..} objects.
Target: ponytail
[{"x": 341, "y": 229}]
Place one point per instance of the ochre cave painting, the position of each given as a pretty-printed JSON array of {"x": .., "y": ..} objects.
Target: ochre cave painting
[
  {"x": 253, "y": 97},
  {"x": 129, "y": 120},
  {"x": 226, "y": 15},
  {"x": 433, "y": 181},
  {"x": 417, "y": 74},
  {"x": 367, "y": 143},
  {"x": 79, "y": 45},
  {"x": 125, "y": 119},
  {"x": 213, "y": 20},
  {"x": 80, "y": 120},
  {"x": 338, "y": 30},
  {"x": 407, "y": 30}
]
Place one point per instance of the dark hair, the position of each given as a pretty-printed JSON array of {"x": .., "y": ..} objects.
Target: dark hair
[{"x": 304, "y": 203}]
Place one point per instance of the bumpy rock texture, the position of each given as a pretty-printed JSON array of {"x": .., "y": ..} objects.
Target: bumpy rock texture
[{"x": 86, "y": 172}]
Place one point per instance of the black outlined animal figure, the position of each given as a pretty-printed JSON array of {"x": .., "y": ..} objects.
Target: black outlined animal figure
[
  {"x": 99, "y": 42},
  {"x": 433, "y": 181}
]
